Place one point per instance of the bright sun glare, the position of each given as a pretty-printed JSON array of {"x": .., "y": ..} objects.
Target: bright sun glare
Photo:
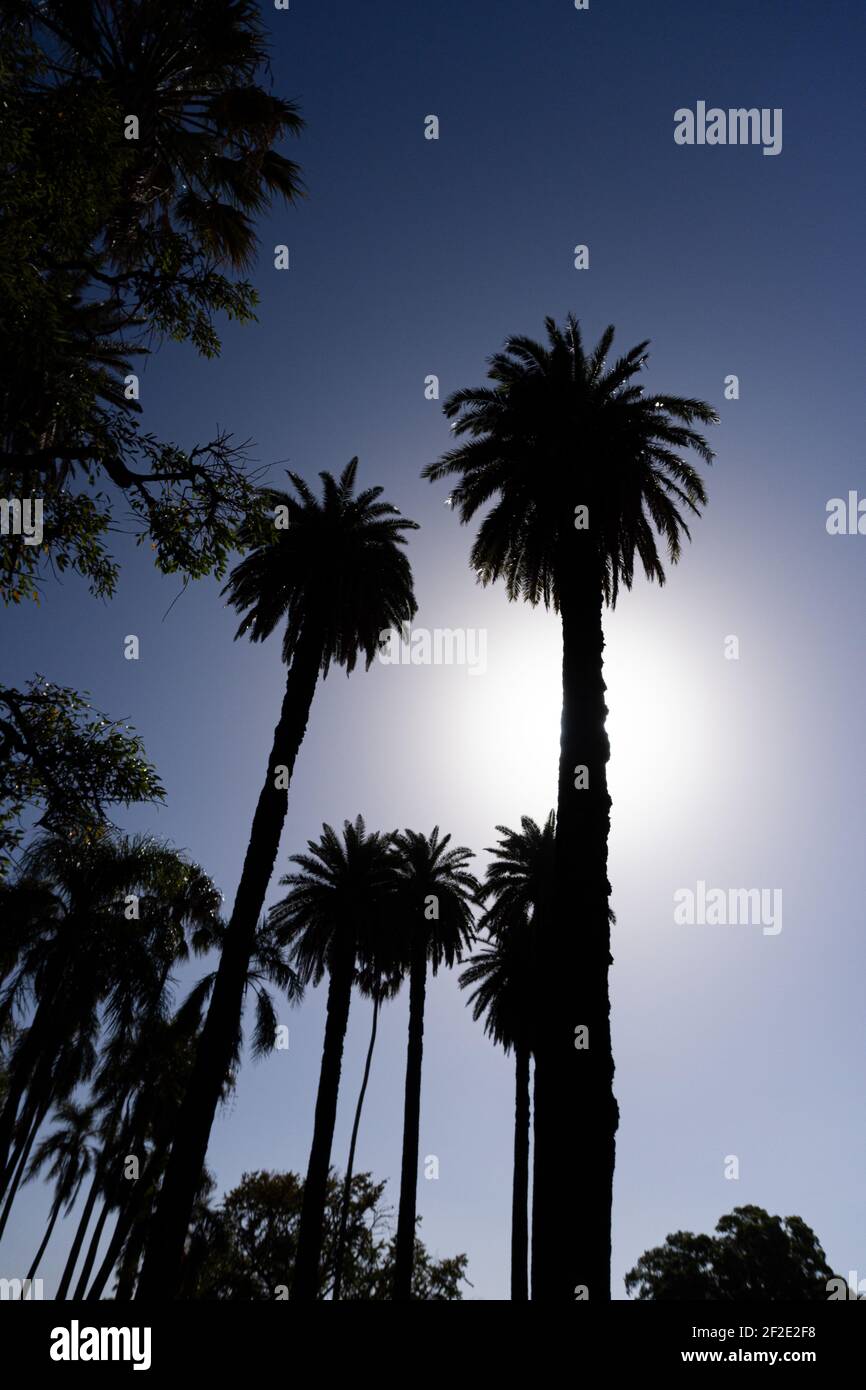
[{"x": 507, "y": 724}]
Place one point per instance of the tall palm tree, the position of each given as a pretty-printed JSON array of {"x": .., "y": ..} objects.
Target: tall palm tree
[
  {"x": 339, "y": 900},
  {"x": 162, "y": 1078},
  {"x": 379, "y": 978},
  {"x": 337, "y": 577},
  {"x": 502, "y": 973},
  {"x": 436, "y": 893},
  {"x": 506, "y": 973},
  {"x": 69, "y": 1157},
  {"x": 54, "y": 1081},
  {"x": 85, "y": 962},
  {"x": 585, "y": 474}
]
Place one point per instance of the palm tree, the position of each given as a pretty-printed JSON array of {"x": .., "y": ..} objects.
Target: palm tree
[
  {"x": 92, "y": 932},
  {"x": 502, "y": 973},
  {"x": 338, "y": 578},
  {"x": 435, "y": 896},
  {"x": 54, "y": 1081},
  {"x": 66, "y": 1150},
  {"x": 519, "y": 879},
  {"x": 379, "y": 978},
  {"x": 337, "y": 903},
  {"x": 203, "y": 159},
  {"x": 161, "y": 1078},
  {"x": 585, "y": 473}
]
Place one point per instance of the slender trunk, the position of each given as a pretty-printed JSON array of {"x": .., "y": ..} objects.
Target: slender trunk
[
  {"x": 81, "y": 1286},
  {"x": 574, "y": 1063},
  {"x": 22, "y": 1153},
  {"x": 305, "y": 1283},
  {"x": 544, "y": 930},
  {"x": 537, "y": 1205},
  {"x": 52, "y": 1222},
  {"x": 115, "y": 1244},
  {"x": 125, "y": 1218},
  {"x": 520, "y": 1188},
  {"x": 23, "y": 1065},
  {"x": 131, "y": 1257},
  {"x": 72, "y": 1258},
  {"x": 404, "y": 1250},
  {"x": 164, "y": 1250},
  {"x": 350, "y": 1166}
]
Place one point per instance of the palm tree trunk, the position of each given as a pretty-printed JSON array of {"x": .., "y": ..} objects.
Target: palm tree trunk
[
  {"x": 72, "y": 1258},
  {"x": 520, "y": 1188},
  {"x": 404, "y": 1250},
  {"x": 21, "y": 1155},
  {"x": 126, "y": 1217},
  {"x": 131, "y": 1257},
  {"x": 21, "y": 1070},
  {"x": 535, "y": 1259},
  {"x": 81, "y": 1286},
  {"x": 305, "y": 1283},
  {"x": 164, "y": 1252},
  {"x": 574, "y": 1070},
  {"x": 115, "y": 1244},
  {"x": 350, "y": 1166},
  {"x": 37, "y": 1258}
]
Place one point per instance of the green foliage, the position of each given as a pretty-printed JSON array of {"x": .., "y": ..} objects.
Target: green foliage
[
  {"x": 66, "y": 762},
  {"x": 245, "y": 1250},
  {"x": 108, "y": 243},
  {"x": 754, "y": 1258}
]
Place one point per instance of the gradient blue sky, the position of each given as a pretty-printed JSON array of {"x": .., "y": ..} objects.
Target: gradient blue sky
[{"x": 412, "y": 257}]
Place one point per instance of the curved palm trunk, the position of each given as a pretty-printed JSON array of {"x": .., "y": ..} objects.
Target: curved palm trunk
[
  {"x": 131, "y": 1257},
  {"x": 404, "y": 1249},
  {"x": 75, "y": 1250},
  {"x": 37, "y": 1258},
  {"x": 164, "y": 1251},
  {"x": 21, "y": 1155},
  {"x": 305, "y": 1283},
  {"x": 92, "y": 1249},
  {"x": 520, "y": 1188},
  {"x": 34, "y": 1048},
  {"x": 346, "y": 1201},
  {"x": 126, "y": 1217},
  {"x": 574, "y": 1082},
  {"x": 115, "y": 1245}
]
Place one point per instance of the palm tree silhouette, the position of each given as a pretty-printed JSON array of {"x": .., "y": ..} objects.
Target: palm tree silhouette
[
  {"x": 337, "y": 577},
  {"x": 584, "y": 473},
  {"x": 505, "y": 973},
  {"x": 67, "y": 1154},
  {"x": 501, "y": 972},
  {"x": 379, "y": 978},
  {"x": 85, "y": 963},
  {"x": 435, "y": 896},
  {"x": 153, "y": 1085},
  {"x": 336, "y": 905}
]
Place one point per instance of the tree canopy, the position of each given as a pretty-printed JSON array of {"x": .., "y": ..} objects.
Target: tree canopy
[
  {"x": 63, "y": 763},
  {"x": 245, "y": 1249},
  {"x": 137, "y": 142},
  {"x": 753, "y": 1258}
]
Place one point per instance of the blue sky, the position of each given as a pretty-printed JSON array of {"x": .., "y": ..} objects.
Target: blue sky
[{"x": 412, "y": 257}]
